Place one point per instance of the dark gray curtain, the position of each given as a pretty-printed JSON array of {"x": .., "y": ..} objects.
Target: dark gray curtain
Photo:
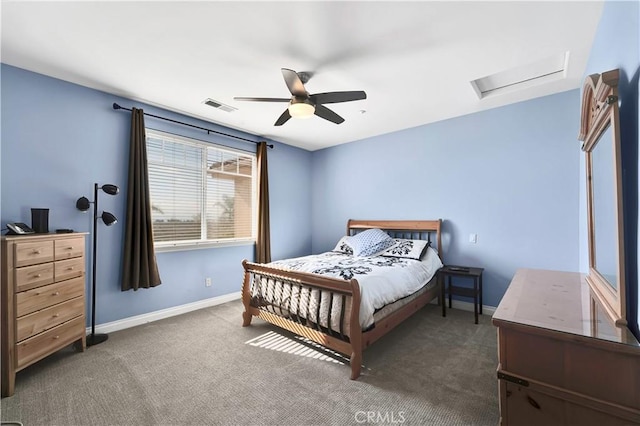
[
  {"x": 139, "y": 269},
  {"x": 263, "y": 242}
]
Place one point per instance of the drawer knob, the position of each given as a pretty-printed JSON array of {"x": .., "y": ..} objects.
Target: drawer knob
[
  {"x": 70, "y": 268},
  {"x": 56, "y": 293},
  {"x": 56, "y": 315},
  {"x": 36, "y": 252},
  {"x": 70, "y": 248},
  {"x": 37, "y": 275},
  {"x": 56, "y": 337}
]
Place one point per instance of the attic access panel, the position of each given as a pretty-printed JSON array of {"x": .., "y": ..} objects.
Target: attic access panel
[{"x": 543, "y": 71}]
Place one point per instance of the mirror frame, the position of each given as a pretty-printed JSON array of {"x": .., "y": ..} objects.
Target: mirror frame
[{"x": 599, "y": 112}]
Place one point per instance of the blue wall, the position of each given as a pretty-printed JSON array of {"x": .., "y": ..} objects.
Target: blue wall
[
  {"x": 510, "y": 175},
  {"x": 617, "y": 45},
  {"x": 59, "y": 138}
]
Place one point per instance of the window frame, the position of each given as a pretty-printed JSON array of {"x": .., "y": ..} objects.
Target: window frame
[{"x": 182, "y": 245}]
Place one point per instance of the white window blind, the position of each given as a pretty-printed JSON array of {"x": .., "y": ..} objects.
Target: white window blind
[{"x": 200, "y": 193}]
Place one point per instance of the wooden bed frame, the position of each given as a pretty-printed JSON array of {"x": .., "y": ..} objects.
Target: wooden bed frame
[{"x": 358, "y": 340}]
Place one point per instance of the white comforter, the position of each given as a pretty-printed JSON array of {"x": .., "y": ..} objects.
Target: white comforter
[{"x": 382, "y": 280}]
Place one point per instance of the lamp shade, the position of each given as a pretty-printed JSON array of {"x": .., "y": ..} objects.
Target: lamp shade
[
  {"x": 83, "y": 204},
  {"x": 301, "y": 110},
  {"x": 108, "y": 218},
  {"x": 110, "y": 189}
]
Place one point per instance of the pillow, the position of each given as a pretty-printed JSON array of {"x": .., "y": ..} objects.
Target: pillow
[
  {"x": 370, "y": 242},
  {"x": 343, "y": 246},
  {"x": 409, "y": 249}
]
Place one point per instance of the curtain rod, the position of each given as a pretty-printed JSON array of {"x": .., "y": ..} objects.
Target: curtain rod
[{"x": 209, "y": 131}]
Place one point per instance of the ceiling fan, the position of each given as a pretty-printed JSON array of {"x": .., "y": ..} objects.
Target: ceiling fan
[{"x": 304, "y": 105}]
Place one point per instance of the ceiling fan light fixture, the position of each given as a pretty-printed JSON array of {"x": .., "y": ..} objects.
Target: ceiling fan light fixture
[
  {"x": 301, "y": 110},
  {"x": 304, "y": 105}
]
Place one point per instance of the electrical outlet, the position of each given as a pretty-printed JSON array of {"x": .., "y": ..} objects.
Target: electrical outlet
[{"x": 207, "y": 282}]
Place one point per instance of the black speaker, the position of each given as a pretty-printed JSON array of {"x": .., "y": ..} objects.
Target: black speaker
[{"x": 40, "y": 220}]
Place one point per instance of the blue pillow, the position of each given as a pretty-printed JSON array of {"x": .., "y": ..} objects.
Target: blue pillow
[{"x": 370, "y": 242}]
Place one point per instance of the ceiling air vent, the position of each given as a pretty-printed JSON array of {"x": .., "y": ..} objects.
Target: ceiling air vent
[
  {"x": 543, "y": 71},
  {"x": 219, "y": 105}
]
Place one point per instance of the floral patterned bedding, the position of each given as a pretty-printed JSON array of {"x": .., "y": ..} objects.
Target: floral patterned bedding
[{"x": 383, "y": 280}]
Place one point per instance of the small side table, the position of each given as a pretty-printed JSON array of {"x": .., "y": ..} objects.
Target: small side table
[{"x": 449, "y": 271}]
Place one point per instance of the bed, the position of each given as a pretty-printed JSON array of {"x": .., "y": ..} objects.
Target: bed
[{"x": 333, "y": 298}]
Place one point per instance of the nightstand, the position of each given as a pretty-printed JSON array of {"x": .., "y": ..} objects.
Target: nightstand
[{"x": 448, "y": 271}]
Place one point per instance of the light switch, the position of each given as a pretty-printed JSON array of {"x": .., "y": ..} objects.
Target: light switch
[{"x": 473, "y": 238}]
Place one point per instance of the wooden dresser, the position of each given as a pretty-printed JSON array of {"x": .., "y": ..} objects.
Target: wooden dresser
[
  {"x": 42, "y": 299},
  {"x": 561, "y": 359}
]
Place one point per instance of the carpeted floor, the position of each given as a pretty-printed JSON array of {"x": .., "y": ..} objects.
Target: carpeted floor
[{"x": 203, "y": 368}]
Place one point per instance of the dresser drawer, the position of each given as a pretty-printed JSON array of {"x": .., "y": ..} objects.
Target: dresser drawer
[
  {"x": 569, "y": 364},
  {"x": 37, "y": 322},
  {"x": 65, "y": 269},
  {"x": 42, "y": 297},
  {"x": 532, "y": 355},
  {"x": 31, "y": 253},
  {"x": 31, "y": 350},
  {"x": 69, "y": 247},
  {"x": 536, "y": 405},
  {"x": 34, "y": 276}
]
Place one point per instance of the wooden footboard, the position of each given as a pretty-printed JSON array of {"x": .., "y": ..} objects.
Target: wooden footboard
[
  {"x": 346, "y": 340},
  {"x": 349, "y": 341}
]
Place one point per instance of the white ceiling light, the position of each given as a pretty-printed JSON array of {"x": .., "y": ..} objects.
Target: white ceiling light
[{"x": 301, "y": 109}]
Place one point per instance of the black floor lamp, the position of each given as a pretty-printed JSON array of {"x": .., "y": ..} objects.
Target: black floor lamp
[{"x": 83, "y": 204}]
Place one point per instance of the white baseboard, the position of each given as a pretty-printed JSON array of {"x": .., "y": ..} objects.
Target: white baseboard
[
  {"x": 125, "y": 323},
  {"x": 467, "y": 306}
]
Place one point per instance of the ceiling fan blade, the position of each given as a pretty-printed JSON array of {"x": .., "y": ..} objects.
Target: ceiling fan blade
[
  {"x": 293, "y": 82},
  {"x": 283, "y": 118},
  {"x": 240, "y": 98},
  {"x": 335, "y": 97},
  {"x": 327, "y": 114}
]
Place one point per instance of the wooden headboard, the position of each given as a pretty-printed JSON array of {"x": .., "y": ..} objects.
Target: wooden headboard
[{"x": 409, "y": 229}]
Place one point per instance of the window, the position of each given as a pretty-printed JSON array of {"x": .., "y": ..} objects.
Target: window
[{"x": 201, "y": 194}]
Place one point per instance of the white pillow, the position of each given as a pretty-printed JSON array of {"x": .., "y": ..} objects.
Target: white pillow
[
  {"x": 343, "y": 246},
  {"x": 370, "y": 242},
  {"x": 409, "y": 249}
]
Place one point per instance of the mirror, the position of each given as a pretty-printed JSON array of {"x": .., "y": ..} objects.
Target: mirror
[
  {"x": 599, "y": 129},
  {"x": 604, "y": 212}
]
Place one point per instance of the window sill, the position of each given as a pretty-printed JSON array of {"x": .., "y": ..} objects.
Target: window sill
[{"x": 186, "y": 246}]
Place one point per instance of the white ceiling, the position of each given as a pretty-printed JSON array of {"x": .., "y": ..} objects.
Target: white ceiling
[{"x": 415, "y": 60}]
